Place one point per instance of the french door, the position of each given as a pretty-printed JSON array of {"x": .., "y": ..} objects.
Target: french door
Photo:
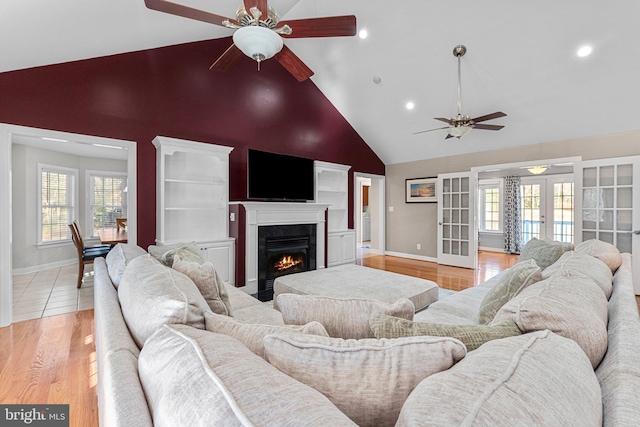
[
  {"x": 608, "y": 205},
  {"x": 457, "y": 237},
  {"x": 547, "y": 208}
]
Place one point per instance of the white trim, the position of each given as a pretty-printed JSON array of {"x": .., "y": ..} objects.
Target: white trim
[
  {"x": 412, "y": 256},
  {"x": 7, "y": 132},
  {"x": 501, "y": 166},
  {"x": 490, "y": 249},
  {"x": 41, "y": 267}
]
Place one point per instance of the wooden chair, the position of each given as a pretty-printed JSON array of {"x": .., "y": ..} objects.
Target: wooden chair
[{"x": 86, "y": 255}]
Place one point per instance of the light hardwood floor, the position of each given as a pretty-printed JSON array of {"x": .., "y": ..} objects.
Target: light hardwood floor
[{"x": 53, "y": 359}]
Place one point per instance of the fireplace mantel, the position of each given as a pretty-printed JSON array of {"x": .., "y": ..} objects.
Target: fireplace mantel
[{"x": 256, "y": 214}]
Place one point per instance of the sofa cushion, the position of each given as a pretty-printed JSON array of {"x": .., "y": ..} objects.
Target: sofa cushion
[
  {"x": 573, "y": 307},
  {"x": 516, "y": 278},
  {"x": 186, "y": 251},
  {"x": 119, "y": 257},
  {"x": 367, "y": 379},
  {"x": 251, "y": 334},
  {"x": 342, "y": 317},
  {"x": 501, "y": 384},
  {"x": 584, "y": 264},
  {"x": 198, "y": 378},
  {"x": 544, "y": 252},
  {"x": 472, "y": 336},
  {"x": 209, "y": 283},
  {"x": 152, "y": 295},
  {"x": 604, "y": 251}
]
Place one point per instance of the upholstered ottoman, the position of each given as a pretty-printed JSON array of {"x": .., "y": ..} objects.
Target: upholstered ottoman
[{"x": 356, "y": 281}]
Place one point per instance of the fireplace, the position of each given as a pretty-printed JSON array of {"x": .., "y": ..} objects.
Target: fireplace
[{"x": 284, "y": 249}]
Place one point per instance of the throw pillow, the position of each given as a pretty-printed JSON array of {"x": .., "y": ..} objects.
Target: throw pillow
[
  {"x": 197, "y": 378},
  {"x": 119, "y": 257},
  {"x": 209, "y": 283},
  {"x": 342, "y": 317},
  {"x": 514, "y": 280},
  {"x": 538, "y": 379},
  {"x": 544, "y": 252},
  {"x": 152, "y": 295},
  {"x": 186, "y": 251},
  {"x": 472, "y": 336},
  {"x": 367, "y": 379},
  {"x": 573, "y": 307},
  {"x": 583, "y": 264},
  {"x": 604, "y": 251},
  {"x": 251, "y": 334}
]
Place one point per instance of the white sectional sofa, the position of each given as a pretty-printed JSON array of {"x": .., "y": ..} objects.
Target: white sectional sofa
[{"x": 184, "y": 374}]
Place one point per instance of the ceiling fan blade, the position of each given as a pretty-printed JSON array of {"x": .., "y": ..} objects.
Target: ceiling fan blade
[
  {"x": 333, "y": 26},
  {"x": 442, "y": 119},
  {"x": 187, "y": 12},
  {"x": 489, "y": 117},
  {"x": 228, "y": 58},
  {"x": 293, "y": 64},
  {"x": 487, "y": 127},
  {"x": 260, "y": 4},
  {"x": 449, "y": 136},
  {"x": 430, "y": 130}
]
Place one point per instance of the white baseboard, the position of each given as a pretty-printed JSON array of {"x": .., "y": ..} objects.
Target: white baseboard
[
  {"x": 489, "y": 249},
  {"x": 412, "y": 256},
  {"x": 36, "y": 268}
]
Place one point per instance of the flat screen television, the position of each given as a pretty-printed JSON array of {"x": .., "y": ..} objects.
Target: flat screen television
[{"x": 279, "y": 177}]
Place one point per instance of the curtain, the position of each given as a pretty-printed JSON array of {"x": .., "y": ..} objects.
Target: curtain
[{"x": 512, "y": 215}]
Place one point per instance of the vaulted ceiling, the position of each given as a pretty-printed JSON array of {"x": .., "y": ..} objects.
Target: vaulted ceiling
[{"x": 521, "y": 59}]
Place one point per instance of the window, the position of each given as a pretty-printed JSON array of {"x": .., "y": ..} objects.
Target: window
[
  {"x": 107, "y": 199},
  {"x": 490, "y": 206},
  {"x": 57, "y": 191}
]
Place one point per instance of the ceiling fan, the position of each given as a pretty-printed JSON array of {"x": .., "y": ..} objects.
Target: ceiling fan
[
  {"x": 461, "y": 124},
  {"x": 259, "y": 32}
]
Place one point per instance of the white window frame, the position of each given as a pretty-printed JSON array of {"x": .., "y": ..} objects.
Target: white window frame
[
  {"x": 484, "y": 184},
  {"x": 42, "y": 167},
  {"x": 89, "y": 194}
]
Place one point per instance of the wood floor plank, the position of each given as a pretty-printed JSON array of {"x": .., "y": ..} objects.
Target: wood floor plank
[{"x": 51, "y": 360}]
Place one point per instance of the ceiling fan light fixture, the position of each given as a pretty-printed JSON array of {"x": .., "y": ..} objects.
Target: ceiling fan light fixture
[
  {"x": 537, "y": 170},
  {"x": 458, "y": 131},
  {"x": 258, "y": 43}
]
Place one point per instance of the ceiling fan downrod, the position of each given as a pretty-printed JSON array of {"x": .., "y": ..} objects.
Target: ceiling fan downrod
[{"x": 459, "y": 52}]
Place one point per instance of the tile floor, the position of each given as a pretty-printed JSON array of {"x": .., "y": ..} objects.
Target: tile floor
[{"x": 50, "y": 292}]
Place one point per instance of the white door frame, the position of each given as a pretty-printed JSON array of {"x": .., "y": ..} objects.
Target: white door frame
[
  {"x": 381, "y": 208},
  {"x": 6, "y": 139}
]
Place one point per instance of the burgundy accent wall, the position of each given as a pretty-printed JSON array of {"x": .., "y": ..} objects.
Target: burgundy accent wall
[{"x": 170, "y": 91}]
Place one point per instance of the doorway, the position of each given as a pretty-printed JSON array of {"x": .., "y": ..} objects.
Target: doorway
[
  {"x": 10, "y": 135},
  {"x": 369, "y": 221}
]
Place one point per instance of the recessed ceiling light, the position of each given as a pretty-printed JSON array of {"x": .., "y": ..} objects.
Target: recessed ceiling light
[
  {"x": 46, "y": 138},
  {"x": 363, "y": 34},
  {"x": 410, "y": 105},
  {"x": 585, "y": 51}
]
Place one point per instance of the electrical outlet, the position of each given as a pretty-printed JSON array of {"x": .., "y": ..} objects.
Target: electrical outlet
[
  {"x": 419, "y": 246},
  {"x": 232, "y": 216},
  {"x": 390, "y": 208}
]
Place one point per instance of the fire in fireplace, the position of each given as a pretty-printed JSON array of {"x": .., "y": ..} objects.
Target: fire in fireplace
[{"x": 284, "y": 249}]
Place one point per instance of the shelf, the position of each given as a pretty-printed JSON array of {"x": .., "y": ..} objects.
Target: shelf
[{"x": 216, "y": 181}]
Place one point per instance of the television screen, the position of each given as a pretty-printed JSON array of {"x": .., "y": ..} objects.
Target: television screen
[{"x": 279, "y": 177}]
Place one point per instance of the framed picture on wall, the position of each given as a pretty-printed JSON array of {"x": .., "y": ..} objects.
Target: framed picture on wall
[{"x": 421, "y": 190}]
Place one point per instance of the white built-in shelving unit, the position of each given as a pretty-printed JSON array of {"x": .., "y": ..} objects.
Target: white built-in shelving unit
[
  {"x": 192, "y": 199},
  {"x": 332, "y": 188}
]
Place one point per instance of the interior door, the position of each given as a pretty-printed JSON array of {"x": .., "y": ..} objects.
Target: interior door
[
  {"x": 608, "y": 205},
  {"x": 457, "y": 236}
]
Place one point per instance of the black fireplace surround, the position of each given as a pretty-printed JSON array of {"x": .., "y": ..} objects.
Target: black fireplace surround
[{"x": 284, "y": 249}]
